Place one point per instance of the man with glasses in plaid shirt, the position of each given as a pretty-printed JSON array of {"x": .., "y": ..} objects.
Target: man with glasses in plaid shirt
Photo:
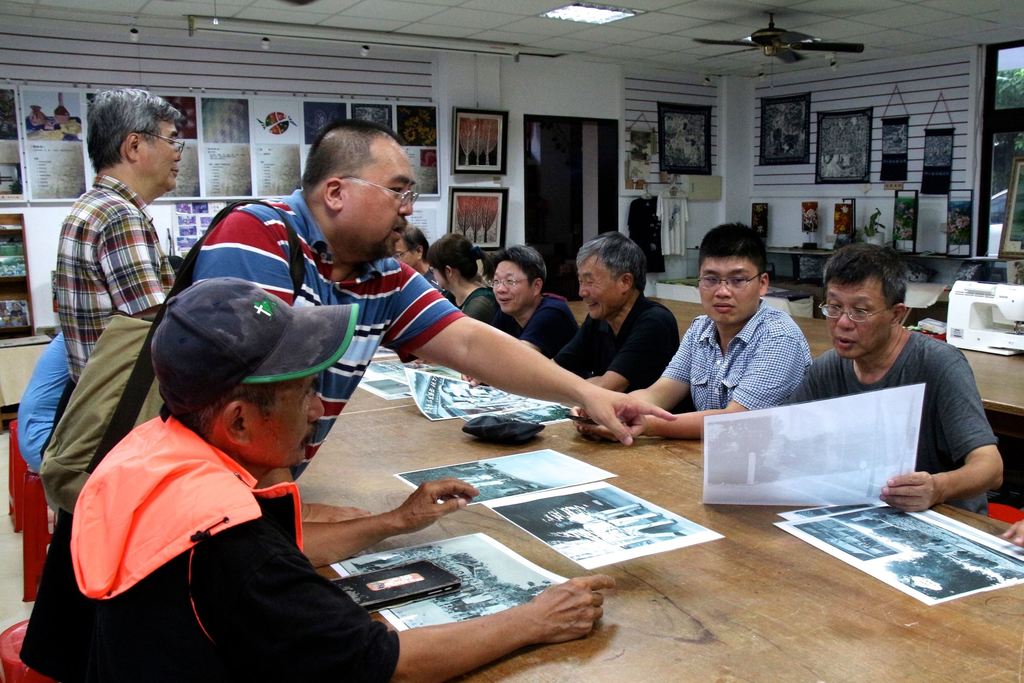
[
  {"x": 109, "y": 258},
  {"x": 741, "y": 355}
]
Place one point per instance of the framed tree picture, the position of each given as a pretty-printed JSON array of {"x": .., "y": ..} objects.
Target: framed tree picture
[
  {"x": 684, "y": 139},
  {"x": 479, "y": 215},
  {"x": 904, "y": 221},
  {"x": 844, "y": 146},
  {"x": 959, "y": 222},
  {"x": 479, "y": 141},
  {"x": 785, "y": 130},
  {"x": 1011, "y": 245}
]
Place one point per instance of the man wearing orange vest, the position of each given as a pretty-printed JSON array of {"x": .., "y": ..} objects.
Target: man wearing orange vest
[{"x": 200, "y": 576}]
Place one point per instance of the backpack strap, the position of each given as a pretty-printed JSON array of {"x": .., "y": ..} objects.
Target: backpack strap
[{"x": 141, "y": 378}]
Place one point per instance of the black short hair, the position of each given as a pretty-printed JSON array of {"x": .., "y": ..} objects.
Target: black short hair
[
  {"x": 342, "y": 149},
  {"x": 527, "y": 258},
  {"x": 414, "y": 237},
  {"x": 856, "y": 263},
  {"x": 733, "y": 240}
]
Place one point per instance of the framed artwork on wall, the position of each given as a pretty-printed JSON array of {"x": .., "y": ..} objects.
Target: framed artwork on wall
[
  {"x": 1012, "y": 243},
  {"x": 844, "y": 146},
  {"x": 904, "y": 221},
  {"x": 959, "y": 222},
  {"x": 479, "y": 141},
  {"x": 785, "y": 130},
  {"x": 684, "y": 139},
  {"x": 479, "y": 214}
]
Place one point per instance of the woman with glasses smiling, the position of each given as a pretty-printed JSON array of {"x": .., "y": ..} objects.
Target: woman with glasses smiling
[{"x": 456, "y": 265}]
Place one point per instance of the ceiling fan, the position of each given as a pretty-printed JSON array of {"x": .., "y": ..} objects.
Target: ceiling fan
[{"x": 786, "y": 45}]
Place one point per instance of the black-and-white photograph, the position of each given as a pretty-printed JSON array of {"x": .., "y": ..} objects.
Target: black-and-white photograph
[
  {"x": 824, "y": 511},
  {"x": 513, "y": 475},
  {"x": 493, "y": 579},
  {"x": 378, "y": 113},
  {"x": 785, "y": 130},
  {"x": 386, "y": 378},
  {"x": 444, "y": 398},
  {"x": 844, "y": 146},
  {"x": 539, "y": 415},
  {"x": 684, "y": 138},
  {"x": 598, "y": 524},
  {"x": 925, "y": 555}
]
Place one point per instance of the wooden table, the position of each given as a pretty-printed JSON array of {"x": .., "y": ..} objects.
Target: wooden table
[
  {"x": 758, "y": 605},
  {"x": 1000, "y": 379}
]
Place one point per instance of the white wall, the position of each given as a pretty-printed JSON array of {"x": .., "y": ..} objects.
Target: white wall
[{"x": 167, "y": 58}]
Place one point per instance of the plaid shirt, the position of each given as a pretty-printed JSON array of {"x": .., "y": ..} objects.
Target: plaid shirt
[
  {"x": 108, "y": 260},
  {"x": 764, "y": 363}
]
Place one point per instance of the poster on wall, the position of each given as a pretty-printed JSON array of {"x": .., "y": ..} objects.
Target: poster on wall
[
  {"x": 318, "y": 115},
  {"x": 938, "y": 161},
  {"x": 54, "y": 153},
  {"x": 188, "y": 165},
  {"x": 226, "y": 157},
  {"x": 378, "y": 113},
  {"x": 191, "y": 221},
  {"x": 417, "y": 126},
  {"x": 895, "y": 132},
  {"x": 785, "y": 130},
  {"x": 684, "y": 139},
  {"x": 844, "y": 146},
  {"x": 278, "y": 135},
  {"x": 11, "y": 186}
]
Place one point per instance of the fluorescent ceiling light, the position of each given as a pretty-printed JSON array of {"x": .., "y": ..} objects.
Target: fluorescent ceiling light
[{"x": 591, "y": 14}]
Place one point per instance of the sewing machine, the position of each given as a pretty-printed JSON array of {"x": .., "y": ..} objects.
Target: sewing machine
[{"x": 986, "y": 317}]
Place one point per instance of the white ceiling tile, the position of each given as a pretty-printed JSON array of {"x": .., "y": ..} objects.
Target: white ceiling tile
[
  {"x": 276, "y": 15},
  {"x": 611, "y": 35},
  {"x": 526, "y": 8},
  {"x": 626, "y": 51},
  {"x": 908, "y": 16},
  {"x": 565, "y": 44},
  {"x": 666, "y": 42},
  {"x": 422, "y": 29},
  {"x": 503, "y": 36},
  {"x": 848, "y": 8},
  {"x": 974, "y": 7},
  {"x": 659, "y": 22},
  {"x": 363, "y": 23},
  {"x": 391, "y": 9},
  {"x": 471, "y": 18},
  {"x": 961, "y": 26},
  {"x": 541, "y": 26}
]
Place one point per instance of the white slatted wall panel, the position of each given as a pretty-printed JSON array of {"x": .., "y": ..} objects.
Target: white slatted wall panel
[
  {"x": 170, "y": 60},
  {"x": 641, "y": 107},
  {"x": 850, "y": 88}
]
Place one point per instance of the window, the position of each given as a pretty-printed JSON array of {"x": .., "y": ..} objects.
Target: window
[{"x": 1002, "y": 137}]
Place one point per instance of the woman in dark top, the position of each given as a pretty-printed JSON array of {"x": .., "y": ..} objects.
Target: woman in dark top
[{"x": 454, "y": 262}]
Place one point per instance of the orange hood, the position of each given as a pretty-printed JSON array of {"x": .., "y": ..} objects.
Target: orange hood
[{"x": 158, "y": 492}]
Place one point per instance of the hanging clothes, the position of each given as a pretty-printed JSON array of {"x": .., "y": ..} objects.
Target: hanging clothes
[
  {"x": 674, "y": 214},
  {"x": 645, "y": 229}
]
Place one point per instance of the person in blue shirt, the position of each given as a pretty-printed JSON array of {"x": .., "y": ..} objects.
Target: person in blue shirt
[
  {"x": 740, "y": 355},
  {"x": 540, "y": 320},
  {"x": 38, "y": 406}
]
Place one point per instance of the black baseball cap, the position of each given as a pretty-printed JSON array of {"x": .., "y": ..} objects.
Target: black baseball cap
[{"x": 225, "y": 331}]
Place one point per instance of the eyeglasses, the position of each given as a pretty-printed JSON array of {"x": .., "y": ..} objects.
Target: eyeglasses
[
  {"x": 508, "y": 283},
  {"x": 856, "y": 315},
  {"x": 733, "y": 283},
  {"x": 177, "y": 144},
  {"x": 407, "y": 198},
  {"x": 400, "y": 254}
]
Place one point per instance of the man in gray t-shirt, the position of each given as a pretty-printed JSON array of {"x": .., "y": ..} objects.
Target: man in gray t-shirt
[{"x": 957, "y": 458}]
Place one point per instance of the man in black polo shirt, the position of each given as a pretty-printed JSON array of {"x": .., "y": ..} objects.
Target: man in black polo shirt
[{"x": 626, "y": 340}]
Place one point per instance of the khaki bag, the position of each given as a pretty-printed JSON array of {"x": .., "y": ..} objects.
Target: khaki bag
[
  {"x": 91, "y": 407},
  {"x": 116, "y": 391}
]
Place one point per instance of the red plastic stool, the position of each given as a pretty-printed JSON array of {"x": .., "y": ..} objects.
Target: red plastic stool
[
  {"x": 1005, "y": 513},
  {"x": 16, "y": 469},
  {"x": 36, "y": 537},
  {"x": 14, "y": 670}
]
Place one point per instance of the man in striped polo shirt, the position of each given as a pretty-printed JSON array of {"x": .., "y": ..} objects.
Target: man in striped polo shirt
[{"x": 350, "y": 213}]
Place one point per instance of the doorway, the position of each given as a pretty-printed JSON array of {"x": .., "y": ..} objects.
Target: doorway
[{"x": 571, "y": 176}]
